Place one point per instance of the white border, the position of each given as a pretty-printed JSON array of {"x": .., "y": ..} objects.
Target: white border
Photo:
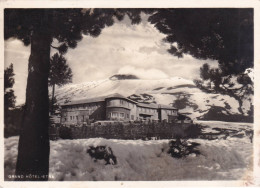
[{"x": 140, "y": 4}]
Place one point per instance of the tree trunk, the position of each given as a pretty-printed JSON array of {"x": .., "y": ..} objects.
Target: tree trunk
[
  {"x": 52, "y": 99},
  {"x": 34, "y": 146}
]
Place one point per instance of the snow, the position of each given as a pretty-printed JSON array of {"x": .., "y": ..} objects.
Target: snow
[
  {"x": 227, "y": 125},
  {"x": 165, "y": 91},
  {"x": 220, "y": 159}
]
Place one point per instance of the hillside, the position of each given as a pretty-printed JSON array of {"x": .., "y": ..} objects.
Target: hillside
[{"x": 176, "y": 91}]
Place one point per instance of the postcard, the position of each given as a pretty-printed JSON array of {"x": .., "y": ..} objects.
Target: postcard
[{"x": 130, "y": 94}]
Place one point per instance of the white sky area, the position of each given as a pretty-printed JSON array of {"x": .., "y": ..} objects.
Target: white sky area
[{"x": 120, "y": 49}]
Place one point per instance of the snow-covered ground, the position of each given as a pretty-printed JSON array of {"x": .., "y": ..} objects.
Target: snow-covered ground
[{"x": 221, "y": 159}]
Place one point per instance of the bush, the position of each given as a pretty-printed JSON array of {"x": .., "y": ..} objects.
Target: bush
[
  {"x": 179, "y": 149},
  {"x": 65, "y": 133},
  {"x": 102, "y": 153},
  {"x": 12, "y": 121},
  {"x": 193, "y": 131}
]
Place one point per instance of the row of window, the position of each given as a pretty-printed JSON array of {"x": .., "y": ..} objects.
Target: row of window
[
  {"x": 118, "y": 115},
  {"x": 118, "y": 102},
  {"x": 171, "y": 112},
  {"x": 147, "y": 110},
  {"x": 91, "y": 106},
  {"x": 76, "y": 118}
]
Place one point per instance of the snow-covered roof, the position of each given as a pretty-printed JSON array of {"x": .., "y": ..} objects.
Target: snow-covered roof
[
  {"x": 83, "y": 101},
  {"x": 118, "y": 96},
  {"x": 97, "y": 99}
]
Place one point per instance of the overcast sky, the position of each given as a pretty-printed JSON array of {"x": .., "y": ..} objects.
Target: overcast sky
[{"x": 120, "y": 49}]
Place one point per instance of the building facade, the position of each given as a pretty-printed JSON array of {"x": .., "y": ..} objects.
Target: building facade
[{"x": 114, "y": 107}]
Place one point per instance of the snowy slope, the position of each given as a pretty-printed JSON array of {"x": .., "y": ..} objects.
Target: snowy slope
[
  {"x": 181, "y": 92},
  {"x": 221, "y": 159}
]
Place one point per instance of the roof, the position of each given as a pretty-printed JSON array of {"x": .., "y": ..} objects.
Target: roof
[
  {"x": 118, "y": 96},
  {"x": 97, "y": 99},
  {"x": 152, "y": 105},
  {"x": 82, "y": 101}
]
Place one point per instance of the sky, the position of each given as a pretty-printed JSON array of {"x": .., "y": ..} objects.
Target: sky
[{"x": 120, "y": 49}]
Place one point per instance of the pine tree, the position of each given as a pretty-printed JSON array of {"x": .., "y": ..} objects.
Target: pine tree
[
  {"x": 225, "y": 35},
  {"x": 9, "y": 97},
  {"x": 38, "y": 28},
  {"x": 60, "y": 74}
]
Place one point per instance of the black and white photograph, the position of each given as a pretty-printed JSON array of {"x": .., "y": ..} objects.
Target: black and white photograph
[{"x": 128, "y": 94}]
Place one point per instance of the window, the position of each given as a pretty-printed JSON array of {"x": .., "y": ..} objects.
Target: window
[
  {"x": 65, "y": 119},
  {"x": 77, "y": 117},
  {"x": 70, "y": 117},
  {"x": 127, "y": 115},
  {"x": 132, "y": 117},
  {"x": 114, "y": 114},
  {"x": 122, "y": 102},
  {"x": 122, "y": 115}
]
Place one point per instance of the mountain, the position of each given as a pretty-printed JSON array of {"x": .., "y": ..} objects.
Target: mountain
[{"x": 176, "y": 91}]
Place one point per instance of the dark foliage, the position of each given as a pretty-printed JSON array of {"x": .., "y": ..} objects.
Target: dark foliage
[
  {"x": 12, "y": 116},
  {"x": 9, "y": 97},
  {"x": 214, "y": 80},
  {"x": 180, "y": 103},
  {"x": 60, "y": 74},
  {"x": 203, "y": 33},
  {"x": 38, "y": 28},
  {"x": 102, "y": 153},
  {"x": 225, "y": 35},
  {"x": 65, "y": 132},
  {"x": 193, "y": 131},
  {"x": 53, "y": 102},
  {"x": 13, "y": 121},
  {"x": 180, "y": 148},
  {"x": 129, "y": 130},
  {"x": 222, "y": 34}
]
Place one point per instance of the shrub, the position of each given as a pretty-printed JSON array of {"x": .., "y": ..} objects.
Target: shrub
[
  {"x": 193, "y": 131},
  {"x": 179, "y": 149},
  {"x": 65, "y": 132},
  {"x": 102, "y": 153}
]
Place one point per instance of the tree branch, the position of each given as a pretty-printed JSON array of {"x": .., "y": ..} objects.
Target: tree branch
[{"x": 55, "y": 47}]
